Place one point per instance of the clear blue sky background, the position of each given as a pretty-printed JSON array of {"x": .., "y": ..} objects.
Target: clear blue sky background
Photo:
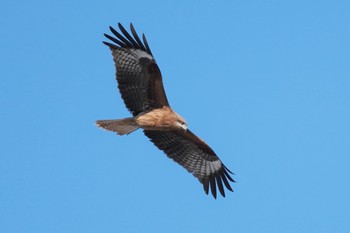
[{"x": 265, "y": 83}]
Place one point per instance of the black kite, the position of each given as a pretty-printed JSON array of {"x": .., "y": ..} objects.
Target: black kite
[{"x": 141, "y": 87}]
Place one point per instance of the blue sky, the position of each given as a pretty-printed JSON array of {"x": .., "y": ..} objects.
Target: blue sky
[{"x": 265, "y": 83}]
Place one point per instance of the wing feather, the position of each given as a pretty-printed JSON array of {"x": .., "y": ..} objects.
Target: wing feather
[
  {"x": 138, "y": 75},
  {"x": 195, "y": 156},
  {"x": 125, "y": 43},
  {"x": 127, "y": 35},
  {"x": 120, "y": 43},
  {"x": 134, "y": 33},
  {"x": 146, "y": 44}
]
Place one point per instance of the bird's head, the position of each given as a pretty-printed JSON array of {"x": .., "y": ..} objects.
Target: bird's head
[
  {"x": 181, "y": 123},
  {"x": 170, "y": 119}
]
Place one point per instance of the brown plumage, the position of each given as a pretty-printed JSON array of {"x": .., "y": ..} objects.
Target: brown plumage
[{"x": 141, "y": 87}]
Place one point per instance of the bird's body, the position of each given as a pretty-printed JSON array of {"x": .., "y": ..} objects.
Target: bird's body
[
  {"x": 140, "y": 84},
  {"x": 161, "y": 119},
  {"x": 158, "y": 119}
]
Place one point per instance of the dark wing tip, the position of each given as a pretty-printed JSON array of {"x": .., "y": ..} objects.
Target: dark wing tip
[
  {"x": 218, "y": 180},
  {"x": 126, "y": 40},
  {"x": 146, "y": 44},
  {"x": 110, "y": 45},
  {"x": 212, "y": 185},
  {"x": 228, "y": 170},
  {"x": 224, "y": 179},
  {"x": 219, "y": 183},
  {"x": 206, "y": 186}
]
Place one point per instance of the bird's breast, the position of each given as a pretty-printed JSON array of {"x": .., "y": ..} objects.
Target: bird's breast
[{"x": 157, "y": 119}]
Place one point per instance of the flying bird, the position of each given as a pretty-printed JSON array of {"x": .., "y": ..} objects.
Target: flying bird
[{"x": 141, "y": 87}]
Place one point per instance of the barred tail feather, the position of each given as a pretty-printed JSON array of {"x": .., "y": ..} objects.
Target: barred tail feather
[{"x": 121, "y": 126}]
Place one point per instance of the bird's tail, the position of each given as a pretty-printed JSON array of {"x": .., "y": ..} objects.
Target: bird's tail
[{"x": 121, "y": 126}]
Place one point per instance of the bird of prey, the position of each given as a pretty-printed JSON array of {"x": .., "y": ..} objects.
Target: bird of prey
[{"x": 141, "y": 87}]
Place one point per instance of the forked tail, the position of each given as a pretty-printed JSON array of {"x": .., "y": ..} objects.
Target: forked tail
[{"x": 121, "y": 126}]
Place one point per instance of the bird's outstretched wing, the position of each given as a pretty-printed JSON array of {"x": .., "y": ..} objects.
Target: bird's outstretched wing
[
  {"x": 139, "y": 78},
  {"x": 188, "y": 150}
]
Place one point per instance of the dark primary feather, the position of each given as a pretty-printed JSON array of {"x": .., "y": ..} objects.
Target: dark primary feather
[
  {"x": 138, "y": 75},
  {"x": 129, "y": 38},
  {"x": 195, "y": 156},
  {"x": 134, "y": 33}
]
